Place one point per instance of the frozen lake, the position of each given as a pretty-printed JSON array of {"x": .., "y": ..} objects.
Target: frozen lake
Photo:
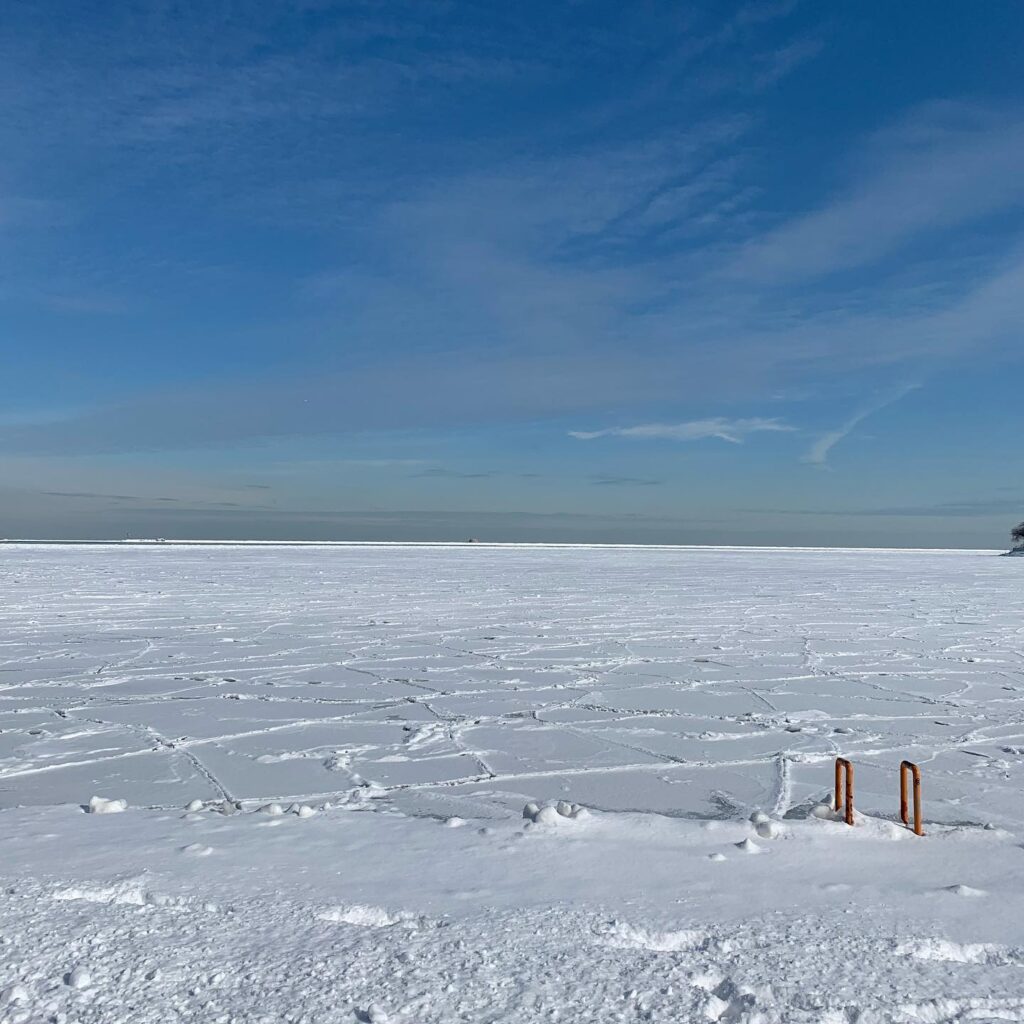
[
  {"x": 382, "y": 713},
  {"x": 692, "y": 682}
]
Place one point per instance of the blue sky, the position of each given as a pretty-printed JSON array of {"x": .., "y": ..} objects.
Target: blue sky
[{"x": 721, "y": 272}]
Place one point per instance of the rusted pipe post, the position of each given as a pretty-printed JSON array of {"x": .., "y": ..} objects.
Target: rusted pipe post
[
  {"x": 844, "y": 794},
  {"x": 915, "y": 773}
]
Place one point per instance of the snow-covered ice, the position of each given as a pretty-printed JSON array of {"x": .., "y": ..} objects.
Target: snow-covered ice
[{"x": 624, "y": 696}]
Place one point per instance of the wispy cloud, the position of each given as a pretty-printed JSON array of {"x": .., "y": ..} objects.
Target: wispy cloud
[
  {"x": 624, "y": 481},
  {"x": 942, "y": 165},
  {"x": 452, "y": 474},
  {"x": 779, "y": 63},
  {"x": 137, "y": 498},
  {"x": 723, "y": 429},
  {"x": 940, "y": 510},
  {"x": 818, "y": 454}
]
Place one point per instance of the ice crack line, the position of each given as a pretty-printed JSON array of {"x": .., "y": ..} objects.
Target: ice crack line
[{"x": 784, "y": 785}]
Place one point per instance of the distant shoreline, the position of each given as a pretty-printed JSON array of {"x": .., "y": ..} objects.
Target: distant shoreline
[{"x": 569, "y": 545}]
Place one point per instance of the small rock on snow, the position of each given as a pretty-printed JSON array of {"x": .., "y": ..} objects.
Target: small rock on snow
[
  {"x": 194, "y": 805},
  {"x": 305, "y": 811},
  {"x": 767, "y": 829},
  {"x": 716, "y": 856},
  {"x": 455, "y": 822},
  {"x": 564, "y": 808},
  {"x": 748, "y": 846},
  {"x": 759, "y": 818},
  {"x": 531, "y": 810},
  {"x": 276, "y": 810}
]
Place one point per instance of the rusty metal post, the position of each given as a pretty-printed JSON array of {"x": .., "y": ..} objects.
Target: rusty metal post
[
  {"x": 844, "y": 794},
  {"x": 915, "y": 773}
]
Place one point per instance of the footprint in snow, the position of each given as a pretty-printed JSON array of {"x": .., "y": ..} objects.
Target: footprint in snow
[
  {"x": 12, "y": 995},
  {"x": 78, "y": 978},
  {"x": 373, "y": 1014},
  {"x": 197, "y": 850}
]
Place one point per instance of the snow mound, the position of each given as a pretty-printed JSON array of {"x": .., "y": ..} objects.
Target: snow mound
[
  {"x": 554, "y": 813},
  {"x": 197, "y": 850},
  {"x": 944, "y": 951},
  {"x": 626, "y": 936},
  {"x": 364, "y": 916},
  {"x": 547, "y": 816},
  {"x": 122, "y": 893},
  {"x": 965, "y": 890},
  {"x": 101, "y": 805}
]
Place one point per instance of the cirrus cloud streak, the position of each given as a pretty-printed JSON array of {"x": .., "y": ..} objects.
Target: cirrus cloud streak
[{"x": 735, "y": 431}]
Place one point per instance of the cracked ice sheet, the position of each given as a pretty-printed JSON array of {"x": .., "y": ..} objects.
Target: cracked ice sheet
[
  {"x": 143, "y": 778},
  {"x": 40, "y": 744},
  {"x": 708, "y": 668}
]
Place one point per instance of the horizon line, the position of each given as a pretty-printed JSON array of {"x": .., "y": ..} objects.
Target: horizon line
[{"x": 179, "y": 542}]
